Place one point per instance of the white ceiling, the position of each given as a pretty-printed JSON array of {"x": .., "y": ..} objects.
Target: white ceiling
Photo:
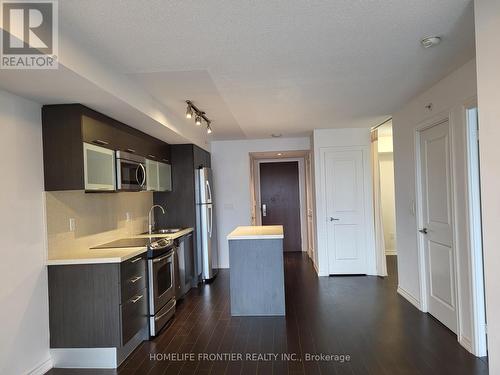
[{"x": 276, "y": 66}]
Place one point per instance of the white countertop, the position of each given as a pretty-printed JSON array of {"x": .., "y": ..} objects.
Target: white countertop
[
  {"x": 265, "y": 232},
  {"x": 111, "y": 255},
  {"x": 93, "y": 256}
]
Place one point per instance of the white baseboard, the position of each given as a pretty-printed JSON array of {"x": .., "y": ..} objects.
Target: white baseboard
[
  {"x": 391, "y": 252},
  {"x": 466, "y": 343},
  {"x": 42, "y": 368},
  {"x": 84, "y": 358},
  {"x": 315, "y": 266},
  {"x": 409, "y": 297}
]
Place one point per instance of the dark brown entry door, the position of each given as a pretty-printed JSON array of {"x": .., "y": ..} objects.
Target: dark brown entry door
[{"x": 279, "y": 194}]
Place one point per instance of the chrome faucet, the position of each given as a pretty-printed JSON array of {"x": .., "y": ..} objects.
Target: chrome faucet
[{"x": 150, "y": 221}]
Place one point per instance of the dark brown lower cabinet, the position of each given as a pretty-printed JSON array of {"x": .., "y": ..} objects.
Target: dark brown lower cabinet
[{"x": 98, "y": 305}]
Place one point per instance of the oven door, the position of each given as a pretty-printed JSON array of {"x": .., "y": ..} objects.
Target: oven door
[
  {"x": 161, "y": 282},
  {"x": 131, "y": 175}
]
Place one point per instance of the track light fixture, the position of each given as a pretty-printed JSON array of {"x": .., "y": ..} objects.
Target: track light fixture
[{"x": 192, "y": 110}]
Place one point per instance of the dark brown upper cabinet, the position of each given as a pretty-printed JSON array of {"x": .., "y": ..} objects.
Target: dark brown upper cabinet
[{"x": 67, "y": 127}]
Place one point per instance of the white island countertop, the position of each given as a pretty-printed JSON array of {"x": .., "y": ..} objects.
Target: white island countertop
[{"x": 264, "y": 232}]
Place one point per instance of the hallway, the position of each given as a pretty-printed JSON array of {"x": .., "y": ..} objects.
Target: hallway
[{"x": 362, "y": 317}]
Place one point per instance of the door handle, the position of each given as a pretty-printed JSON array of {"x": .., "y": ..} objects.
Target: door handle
[
  {"x": 334, "y": 218},
  {"x": 209, "y": 191},
  {"x": 143, "y": 175},
  {"x": 423, "y": 230},
  {"x": 264, "y": 210}
]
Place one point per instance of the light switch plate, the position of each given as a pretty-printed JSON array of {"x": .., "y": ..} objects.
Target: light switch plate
[{"x": 72, "y": 224}]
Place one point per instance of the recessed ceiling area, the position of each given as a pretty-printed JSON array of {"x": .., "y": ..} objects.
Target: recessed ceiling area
[
  {"x": 174, "y": 88},
  {"x": 284, "y": 66}
]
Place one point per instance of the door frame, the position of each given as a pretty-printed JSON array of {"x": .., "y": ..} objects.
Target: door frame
[
  {"x": 371, "y": 267},
  {"x": 459, "y": 136},
  {"x": 438, "y": 120},
  {"x": 305, "y": 186},
  {"x": 474, "y": 228}
]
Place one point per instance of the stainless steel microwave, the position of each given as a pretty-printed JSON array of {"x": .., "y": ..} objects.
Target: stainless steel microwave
[{"x": 130, "y": 172}]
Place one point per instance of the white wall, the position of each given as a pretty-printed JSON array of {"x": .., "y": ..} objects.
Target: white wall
[
  {"x": 448, "y": 98},
  {"x": 231, "y": 168},
  {"x": 323, "y": 138},
  {"x": 24, "y": 337},
  {"x": 488, "y": 82}
]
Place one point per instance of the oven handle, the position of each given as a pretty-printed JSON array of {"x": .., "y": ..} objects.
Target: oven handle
[
  {"x": 166, "y": 312},
  {"x": 156, "y": 260}
]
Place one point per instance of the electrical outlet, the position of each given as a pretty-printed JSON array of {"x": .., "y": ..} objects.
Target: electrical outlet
[
  {"x": 128, "y": 216},
  {"x": 72, "y": 224}
]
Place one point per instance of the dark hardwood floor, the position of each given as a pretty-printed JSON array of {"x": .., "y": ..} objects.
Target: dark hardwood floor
[{"x": 359, "y": 316}]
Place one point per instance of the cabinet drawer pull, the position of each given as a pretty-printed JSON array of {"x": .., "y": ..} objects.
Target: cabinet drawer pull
[
  {"x": 100, "y": 142},
  {"x": 136, "y": 298},
  {"x": 130, "y": 150},
  {"x": 152, "y": 156},
  {"x": 165, "y": 160},
  {"x": 133, "y": 280},
  {"x": 135, "y": 260}
]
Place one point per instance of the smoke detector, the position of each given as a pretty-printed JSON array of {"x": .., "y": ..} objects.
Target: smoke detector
[{"x": 430, "y": 41}]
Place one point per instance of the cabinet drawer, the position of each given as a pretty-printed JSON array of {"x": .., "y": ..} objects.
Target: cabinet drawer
[
  {"x": 134, "y": 315},
  {"x": 132, "y": 276}
]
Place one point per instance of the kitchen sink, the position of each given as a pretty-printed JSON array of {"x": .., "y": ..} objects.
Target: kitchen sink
[{"x": 165, "y": 231}]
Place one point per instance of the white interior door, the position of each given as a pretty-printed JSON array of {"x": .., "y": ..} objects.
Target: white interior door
[
  {"x": 344, "y": 197},
  {"x": 437, "y": 226}
]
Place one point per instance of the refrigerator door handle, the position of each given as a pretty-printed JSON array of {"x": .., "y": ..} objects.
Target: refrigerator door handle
[
  {"x": 210, "y": 222},
  {"x": 209, "y": 191}
]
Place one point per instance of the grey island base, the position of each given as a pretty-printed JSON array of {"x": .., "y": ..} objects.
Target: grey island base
[{"x": 257, "y": 271}]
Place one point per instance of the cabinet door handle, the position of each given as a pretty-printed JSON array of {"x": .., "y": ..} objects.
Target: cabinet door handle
[
  {"x": 136, "y": 298},
  {"x": 130, "y": 150},
  {"x": 133, "y": 280},
  {"x": 334, "y": 218},
  {"x": 100, "y": 142},
  {"x": 152, "y": 156},
  {"x": 165, "y": 160},
  {"x": 135, "y": 260}
]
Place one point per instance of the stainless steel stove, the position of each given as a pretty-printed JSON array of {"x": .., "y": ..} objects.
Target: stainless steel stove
[{"x": 161, "y": 278}]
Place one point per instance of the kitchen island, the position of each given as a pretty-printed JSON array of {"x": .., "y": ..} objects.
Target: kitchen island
[{"x": 257, "y": 271}]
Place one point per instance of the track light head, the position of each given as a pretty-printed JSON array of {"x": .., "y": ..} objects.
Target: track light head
[
  {"x": 197, "y": 121},
  {"x": 189, "y": 111},
  {"x": 209, "y": 129}
]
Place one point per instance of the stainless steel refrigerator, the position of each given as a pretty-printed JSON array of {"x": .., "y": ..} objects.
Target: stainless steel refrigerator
[{"x": 206, "y": 231}]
